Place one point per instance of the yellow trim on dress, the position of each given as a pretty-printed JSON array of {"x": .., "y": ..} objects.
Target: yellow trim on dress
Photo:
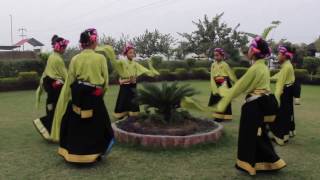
[
  {"x": 269, "y": 119},
  {"x": 90, "y": 158},
  {"x": 267, "y": 166},
  {"x": 247, "y": 167},
  {"x": 278, "y": 140},
  {"x": 222, "y": 116},
  {"x": 261, "y": 166},
  {"x": 120, "y": 115},
  {"x": 134, "y": 113},
  {"x": 83, "y": 113},
  {"x": 41, "y": 129}
]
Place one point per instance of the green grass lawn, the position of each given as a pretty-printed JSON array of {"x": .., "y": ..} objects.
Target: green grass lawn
[{"x": 25, "y": 155}]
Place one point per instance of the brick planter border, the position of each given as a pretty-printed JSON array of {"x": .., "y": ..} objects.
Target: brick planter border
[{"x": 166, "y": 141}]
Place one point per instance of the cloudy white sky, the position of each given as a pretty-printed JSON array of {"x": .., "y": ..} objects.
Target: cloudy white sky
[{"x": 43, "y": 18}]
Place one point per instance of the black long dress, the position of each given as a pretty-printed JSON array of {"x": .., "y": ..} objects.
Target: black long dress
[
  {"x": 227, "y": 115},
  {"x": 86, "y": 133},
  {"x": 284, "y": 123},
  {"x": 255, "y": 150},
  {"x": 43, "y": 125}
]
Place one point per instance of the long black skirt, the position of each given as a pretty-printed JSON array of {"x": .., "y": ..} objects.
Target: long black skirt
[
  {"x": 214, "y": 99},
  {"x": 44, "y": 124},
  {"x": 297, "y": 91},
  {"x": 86, "y": 133},
  {"x": 255, "y": 150},
  {"x": 125, "y": 102},
  {"x": 284, "y": 125}
]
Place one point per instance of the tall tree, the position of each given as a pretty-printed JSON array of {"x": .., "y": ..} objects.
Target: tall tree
[
  {"x": 211, "y": 34},
  {"x": 117, "y": 44},
  {"x": 150, "y": 43},
  {"x": 317, "y": 44}
]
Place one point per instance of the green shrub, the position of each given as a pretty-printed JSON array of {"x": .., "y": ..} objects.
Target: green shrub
[
  {"x": 172, "y": 65},
  {"x": 25, "y": 81},
  {"x": 28, "y": 76},
  {"x": 203, "y": 64},
  {"x": 301, "y": 74},
  {"x": 181, "y": 71},
  {"x": 191, "y": 62},
  {"x": 164, "y": 99},
  {"x": 244, "y": 63},
  {"x": 240, "y": 71},
  {"x": 200, "y": 73},
  {"x": 312, "y": 79},
  {"x": 164, "y": 71},
  {"x": 44, "y": 56},
  {"x": 8, "y": 81},
  {"x": 12, "y": 68},
  {"x": 156, "y": 61},
  {"x": 182, "y": 74},
  {"x": 311, "y": 64},
  {"x": 167, "y": 75}
]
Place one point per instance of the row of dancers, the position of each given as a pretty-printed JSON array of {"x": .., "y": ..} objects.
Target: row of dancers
[{"x": 77, "y": 117}]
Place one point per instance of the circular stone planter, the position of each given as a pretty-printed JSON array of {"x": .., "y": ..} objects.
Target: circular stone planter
[{"x": 167, "y": 141}]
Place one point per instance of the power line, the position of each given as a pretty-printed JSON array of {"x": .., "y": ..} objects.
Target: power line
[
  {"x": 127, "y": 11},
  {"x": 77, "y": 19},
  {"x": 139, "y": 9}
]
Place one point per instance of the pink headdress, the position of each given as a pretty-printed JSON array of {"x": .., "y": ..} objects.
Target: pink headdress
[
  {"x": 60, "y": 45},
  {"x": 127, "y": 48},
  {"x": 283, "y": 50},
  {"x": 254, "y": 47},
  {"x": 93, "y": 37},
  {"x": 220, "y": 51}
]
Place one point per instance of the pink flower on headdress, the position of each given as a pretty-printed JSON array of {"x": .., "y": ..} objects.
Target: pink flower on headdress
[
  {"x": 58, "y": 46},
  {"x": 93, "y": 34}
]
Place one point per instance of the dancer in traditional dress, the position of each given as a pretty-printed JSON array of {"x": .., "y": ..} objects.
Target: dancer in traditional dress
[
  {"x": 51, "y": 81},
  {"x": 284, "y": 125},
  {"x": 255, "y": 150},
  {"x": 221, "y": 74},
  {"x": 86, "y": 133},
  {"x": 128, "y": 70}
]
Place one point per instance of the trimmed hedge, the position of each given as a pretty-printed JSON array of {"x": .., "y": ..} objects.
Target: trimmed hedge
[
  {"x": 200, "y": 73},
  {"x": 182, "y": 74},
  {"x": 30, "y": 80},
  {"x": 315, "y": 80},
  {"x": 24, "y": 81},
  {"x": 240, "y": 71},
  {"x": 301, "y": 74},
  {"x": 12, "y": 68}
]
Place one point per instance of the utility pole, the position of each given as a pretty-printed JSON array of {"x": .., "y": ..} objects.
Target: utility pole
[
  {"x": 22, "y": 35},
  {"x": 11, "y": 29}
]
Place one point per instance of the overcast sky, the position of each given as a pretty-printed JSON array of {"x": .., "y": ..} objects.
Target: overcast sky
[{"x": 43, "y": 18}]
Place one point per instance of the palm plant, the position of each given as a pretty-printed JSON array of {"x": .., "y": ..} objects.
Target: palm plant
[{"x": 164, "y": 99}]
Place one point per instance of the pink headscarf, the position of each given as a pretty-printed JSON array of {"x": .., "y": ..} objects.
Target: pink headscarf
[
  {"x": 127, "y": 48},
  {"x": 254, "y": 47},
  {"x": 220, "y": 51},
  {"x": 283, "y": 50}
]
